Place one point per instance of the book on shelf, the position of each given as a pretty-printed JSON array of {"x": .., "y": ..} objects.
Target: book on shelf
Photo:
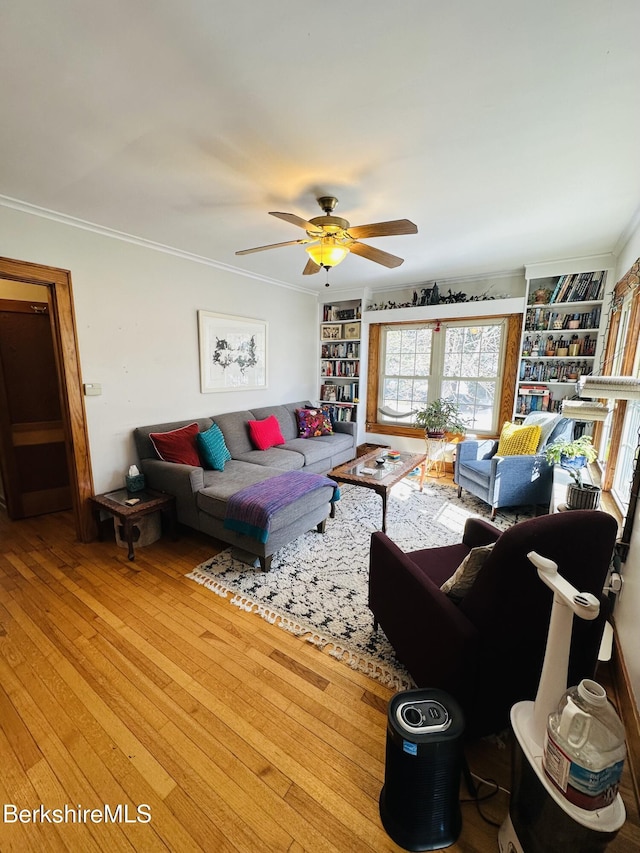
[
  {"x": 339, "y": 412},
  {"x": 328, "y": 392},
  {"x": 556, "y": 289},
  {"x": 336, "y": 312},
  {"x": 596, "y": 289},
  {"x": 332, "y": 392},
  {"x": 533, "y": 399},
  {"x": 579, "y": 287}
]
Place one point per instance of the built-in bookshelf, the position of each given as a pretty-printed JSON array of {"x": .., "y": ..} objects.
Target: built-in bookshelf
[
  {"x": 561, "y": 338},
  {"x": 340, "y": 342}
]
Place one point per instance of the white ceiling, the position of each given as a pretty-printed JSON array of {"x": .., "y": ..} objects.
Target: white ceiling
[{"x": 507, "y": 130}]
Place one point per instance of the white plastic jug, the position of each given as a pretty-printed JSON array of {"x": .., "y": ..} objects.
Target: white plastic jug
[{"x": 584, "y": 748}]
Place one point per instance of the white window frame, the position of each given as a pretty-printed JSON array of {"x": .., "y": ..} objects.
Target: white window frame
[
  {"x": 605, "y": 435},
  {"x": 435, "y": 376},
  {"x": 626, "y": 457}
]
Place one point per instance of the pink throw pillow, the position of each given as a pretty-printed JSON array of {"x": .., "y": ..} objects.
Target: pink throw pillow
[
  {"x": 265, "y": 434},
  {"x": 178, "y": 445}
]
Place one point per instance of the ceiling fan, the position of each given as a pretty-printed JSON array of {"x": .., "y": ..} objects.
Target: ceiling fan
[{"x": 330, "y": 238}]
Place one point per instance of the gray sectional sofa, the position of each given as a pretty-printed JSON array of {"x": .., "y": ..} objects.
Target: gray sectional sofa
[{"x": 201, "y": 495}]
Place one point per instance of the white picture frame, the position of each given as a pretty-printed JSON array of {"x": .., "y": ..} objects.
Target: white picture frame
[{"x": 233, "y": 352}]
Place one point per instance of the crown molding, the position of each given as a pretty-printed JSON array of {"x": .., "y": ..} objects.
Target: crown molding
[{"x": 103, "y": 231}]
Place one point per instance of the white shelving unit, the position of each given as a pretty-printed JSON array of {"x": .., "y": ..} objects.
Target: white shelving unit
[
  {"x": 563, "y": 331},
  {"x": 340, "y": 357}
]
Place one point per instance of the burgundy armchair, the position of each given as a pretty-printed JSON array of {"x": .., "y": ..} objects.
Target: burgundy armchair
[{"x": 487, "y": 650}]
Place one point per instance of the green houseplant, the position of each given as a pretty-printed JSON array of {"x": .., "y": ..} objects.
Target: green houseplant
[
  {"x": 574, "y": 456},
  {"x": 440, "y": 416}
]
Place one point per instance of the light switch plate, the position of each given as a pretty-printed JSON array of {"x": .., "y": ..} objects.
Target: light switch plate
[{"x": 92, "y": 389}]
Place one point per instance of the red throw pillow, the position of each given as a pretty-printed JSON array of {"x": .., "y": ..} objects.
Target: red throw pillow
[
  {"x": 179, "y": 445},
  {"x": 265, "y": 434}
]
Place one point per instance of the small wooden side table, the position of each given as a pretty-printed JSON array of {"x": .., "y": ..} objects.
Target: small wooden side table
[{"x": 149, "y": 502}]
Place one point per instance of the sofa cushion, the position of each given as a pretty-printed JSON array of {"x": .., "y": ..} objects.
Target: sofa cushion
[
  {"x": 310, "y": 450},
  {"x": 274, "y": 457},
  {"x": 517, "y": 440},
  {"x": 266, "y": 433},
  {"x": 177, "y": 445},
  {"x": 313, "y": 422},
  {"x": 219, "y": 486},
  {"x": 213, "y": 451},
  {"x": 336, "y": 443},
  {"x": 236, "y": 432}
]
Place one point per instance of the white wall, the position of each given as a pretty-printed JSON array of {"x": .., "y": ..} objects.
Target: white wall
[
  {"x": 136, "y": 313},
  {"x": 627, "y": 611}
]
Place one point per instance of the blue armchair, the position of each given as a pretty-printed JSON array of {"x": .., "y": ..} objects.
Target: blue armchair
[{"x": 507, "y": 480}]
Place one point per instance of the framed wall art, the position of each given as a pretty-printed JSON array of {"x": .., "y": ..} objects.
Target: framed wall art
[
  {"x": 351, "y": 331},
  {"x": 233, "y": 352},
  {"x": 331, "y": 332}
]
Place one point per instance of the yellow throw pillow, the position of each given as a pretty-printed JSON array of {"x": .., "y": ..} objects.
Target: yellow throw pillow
[{"x": 517, "y": 440}]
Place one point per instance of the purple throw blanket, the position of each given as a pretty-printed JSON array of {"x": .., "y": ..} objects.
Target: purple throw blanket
[{"x": 250, "y": 510}]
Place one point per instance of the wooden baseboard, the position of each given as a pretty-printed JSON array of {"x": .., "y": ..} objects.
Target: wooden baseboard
[{"x": 628, "y": 711}]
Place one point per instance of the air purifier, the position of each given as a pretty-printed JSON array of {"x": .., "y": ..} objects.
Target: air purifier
[{"x": 420, "y": 799}]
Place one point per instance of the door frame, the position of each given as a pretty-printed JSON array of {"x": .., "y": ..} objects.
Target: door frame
[{"x": 65, "y": 345}]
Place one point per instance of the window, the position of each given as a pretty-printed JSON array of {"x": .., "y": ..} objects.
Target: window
[
  {"x": 627, "y": 449},
  {"x": 614, "y": 369},
  {"x": 423, "y": 362}
]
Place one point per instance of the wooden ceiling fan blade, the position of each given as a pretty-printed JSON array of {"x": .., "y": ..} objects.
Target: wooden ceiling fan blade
[
  {"x": 384, "y": 229},
  {"x": 271, "y": 246},
  {"x": 297, "y": 220},
  {"x": 311, "y": 267},
  {"x": 376, "y": 255}
]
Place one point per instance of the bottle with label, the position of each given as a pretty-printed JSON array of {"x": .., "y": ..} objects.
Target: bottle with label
[{"x": 584, "y": 747}]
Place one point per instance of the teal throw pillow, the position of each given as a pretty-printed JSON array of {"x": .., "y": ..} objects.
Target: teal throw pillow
[{"x": 213, "y": 451}]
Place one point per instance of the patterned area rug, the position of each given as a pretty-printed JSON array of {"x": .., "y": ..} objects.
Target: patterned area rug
[{"x": 317, "y": 585}]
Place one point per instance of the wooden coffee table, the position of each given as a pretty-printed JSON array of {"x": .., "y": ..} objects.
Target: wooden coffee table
[{"x": 364, "y": 472}]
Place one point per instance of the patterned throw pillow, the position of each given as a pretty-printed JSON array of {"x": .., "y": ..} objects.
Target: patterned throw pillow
[
  {"x": 462, "y": 579},
  {"x": 266, "y": 433},
  {"x": 516, "y": 440},
  {"x": 177, "y": 445},
  {"x": 313, "y": 422},
  {"x": 213, "y": 450}
]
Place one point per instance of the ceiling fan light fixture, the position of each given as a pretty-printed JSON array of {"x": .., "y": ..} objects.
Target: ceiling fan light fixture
[{"x": 327, "y": 252}]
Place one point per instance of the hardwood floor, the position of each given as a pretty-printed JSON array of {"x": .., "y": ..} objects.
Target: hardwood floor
[{"x": 126, "y": 683}]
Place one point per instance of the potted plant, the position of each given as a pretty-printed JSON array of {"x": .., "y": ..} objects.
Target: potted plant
[
  {"x": 439, "y": 417},
  {"x": 574, "y": 456}
]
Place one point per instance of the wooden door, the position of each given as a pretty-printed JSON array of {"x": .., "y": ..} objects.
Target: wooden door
[{"x": 35, "y": 467}]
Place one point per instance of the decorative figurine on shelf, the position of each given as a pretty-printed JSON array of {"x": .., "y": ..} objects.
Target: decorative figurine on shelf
[{"x": 541, "y": 296}]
